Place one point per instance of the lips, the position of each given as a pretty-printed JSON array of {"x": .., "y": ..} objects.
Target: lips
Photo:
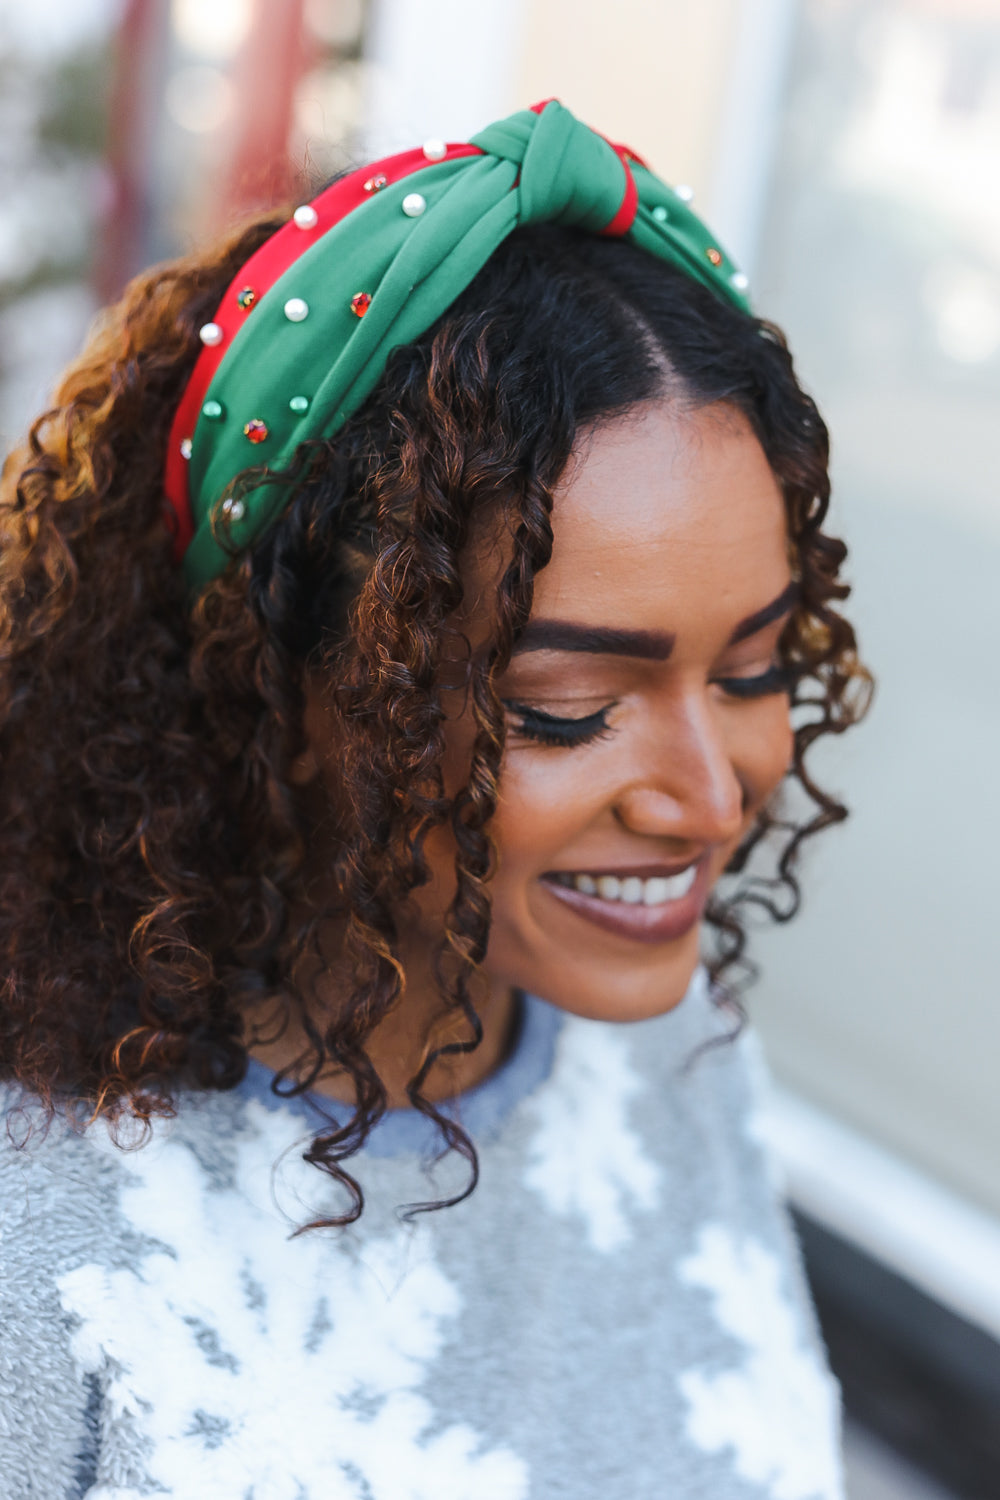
[{"x": 652, "y": 905}]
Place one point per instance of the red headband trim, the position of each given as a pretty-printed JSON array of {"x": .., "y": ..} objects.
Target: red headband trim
[{"x": 267, "y": 265}]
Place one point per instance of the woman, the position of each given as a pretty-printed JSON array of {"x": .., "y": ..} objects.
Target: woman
[{"x": 349, "y": 814}]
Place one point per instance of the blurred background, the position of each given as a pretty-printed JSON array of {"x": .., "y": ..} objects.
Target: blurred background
[{"x": 848, "y": 153}]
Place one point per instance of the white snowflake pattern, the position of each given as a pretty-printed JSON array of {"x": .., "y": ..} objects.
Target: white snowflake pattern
[
  {"x": 778, "y": 1409},
  {"x": 585, "y": 1158},
  {"x": 247, "y": 1364}
]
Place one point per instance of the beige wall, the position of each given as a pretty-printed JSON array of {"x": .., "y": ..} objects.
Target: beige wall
[
  {"x": 649, "y": 73},
  {"x": 645, "y": 72}
]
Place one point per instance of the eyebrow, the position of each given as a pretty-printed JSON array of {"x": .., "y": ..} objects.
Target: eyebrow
[
  {"x": 647, "y": 645},
  {"x": 785, "y": 602},
  {"x": 562, "y": 635}
]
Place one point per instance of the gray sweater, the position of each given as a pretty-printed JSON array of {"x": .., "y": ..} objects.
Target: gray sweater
[{"x": 617, "y": 1313}]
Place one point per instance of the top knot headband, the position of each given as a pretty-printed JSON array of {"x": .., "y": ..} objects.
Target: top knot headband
[{"x": 304, "y": 330}]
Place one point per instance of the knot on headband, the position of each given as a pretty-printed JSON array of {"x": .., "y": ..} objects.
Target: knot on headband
[
  {"x": 563, "y": 172},
  {"x": 305, "y": 329}
]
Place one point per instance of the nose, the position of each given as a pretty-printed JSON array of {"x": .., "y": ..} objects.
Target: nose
[{"x": 687, "y": 785}]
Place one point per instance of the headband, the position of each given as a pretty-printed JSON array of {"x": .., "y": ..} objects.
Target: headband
[{"x": 306, "y": 327}]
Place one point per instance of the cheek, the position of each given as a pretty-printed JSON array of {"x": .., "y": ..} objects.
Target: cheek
[
  {"x": 762, "y": 751},
  {"x": 541, "y": 809},
  {"x": 546, "y": 801}
]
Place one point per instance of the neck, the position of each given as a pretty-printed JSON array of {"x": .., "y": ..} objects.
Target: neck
[{"x": 399, "y": 1044}]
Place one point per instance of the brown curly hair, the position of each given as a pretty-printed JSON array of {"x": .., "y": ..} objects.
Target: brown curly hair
[{"x": 152, "y": 866}]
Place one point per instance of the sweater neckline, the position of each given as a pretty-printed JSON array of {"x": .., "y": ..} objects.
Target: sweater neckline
[{"x": 480, "y": 1111}]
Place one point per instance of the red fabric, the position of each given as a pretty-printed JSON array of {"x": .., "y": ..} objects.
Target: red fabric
[
  {"x": 625, "y": 217},
  {"x": 271, "y": 262},
  {"x": 261, "y": 271}
]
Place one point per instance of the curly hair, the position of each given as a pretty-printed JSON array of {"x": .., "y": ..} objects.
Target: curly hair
[{"x": 152, "y": 844}]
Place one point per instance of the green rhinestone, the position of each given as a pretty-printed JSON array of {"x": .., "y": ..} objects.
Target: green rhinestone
[
  {"x": 214, "y": 411},
  {"x": 299, "y": 404},
  {"x": 660, "y": 214}
]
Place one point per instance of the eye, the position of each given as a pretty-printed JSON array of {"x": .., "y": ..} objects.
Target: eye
[
  {"x": 549, "y": 729},
  {"x": 776, "y": 679}
]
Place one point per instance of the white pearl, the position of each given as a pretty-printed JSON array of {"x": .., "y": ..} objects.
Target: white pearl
[
  {"x": 296, "y": 310},
  {"x": 435, "y": 150},
  {"x": 414, "y": 205},
  {"x": 306, "y": 217},
  {"x": 211, "y": 334},
  {"x": 235, "y": 509},
  {"x": 684, "y": 193},
  {"x": 740, "y": 280},
  {"x": 660, "y": 214},
  {"x": 186, "y": 447}
]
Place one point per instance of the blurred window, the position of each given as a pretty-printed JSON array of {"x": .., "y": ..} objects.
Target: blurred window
[{"x": 880, "y": 255}]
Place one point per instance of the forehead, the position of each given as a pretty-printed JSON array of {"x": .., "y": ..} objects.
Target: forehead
[{"x": 665, "y": 509}]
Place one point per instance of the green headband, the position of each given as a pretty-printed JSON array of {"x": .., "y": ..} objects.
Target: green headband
[{"x": 304, "y": 331}]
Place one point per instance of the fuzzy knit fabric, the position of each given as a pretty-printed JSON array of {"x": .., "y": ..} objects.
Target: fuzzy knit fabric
[{"x": 617, "y": 1313}]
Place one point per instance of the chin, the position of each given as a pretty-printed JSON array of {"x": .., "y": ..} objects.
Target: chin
[{"x": 616, "y": 990}]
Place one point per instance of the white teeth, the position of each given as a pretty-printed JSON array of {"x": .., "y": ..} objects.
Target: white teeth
[{"x": 632, "y": 890}]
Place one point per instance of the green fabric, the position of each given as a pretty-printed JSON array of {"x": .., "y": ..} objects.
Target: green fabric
[{"x": 536, "y": 168}]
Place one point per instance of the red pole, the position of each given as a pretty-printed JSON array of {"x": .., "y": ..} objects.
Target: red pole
[
  {"x": 134, "y": 108},
  {"x": 265, "y": 76},
  {"x": 255, "y": 171}
]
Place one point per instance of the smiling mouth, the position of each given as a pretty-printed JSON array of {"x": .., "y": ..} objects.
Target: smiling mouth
[
  {"x": 630, "y": 890},
  {"x": 648, "y": 907}
]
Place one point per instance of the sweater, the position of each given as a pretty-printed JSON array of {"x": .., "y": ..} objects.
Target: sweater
[{"x": 618, "y": 1312}]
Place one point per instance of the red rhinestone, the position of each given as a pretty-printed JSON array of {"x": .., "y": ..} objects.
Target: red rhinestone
[
  {"x": 245, "y": 298},
  {"x": 360, "y": 303},
  {"x": 715, "y": 256},
  {"x": 376, "y": 184},
  {"x": 255, "y": 430}
]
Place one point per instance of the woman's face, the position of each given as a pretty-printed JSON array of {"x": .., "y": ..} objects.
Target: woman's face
[{"x": 647, "y": 721}]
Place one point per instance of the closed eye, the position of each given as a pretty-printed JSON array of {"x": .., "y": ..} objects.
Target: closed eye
[
  {"x": 774, "y": 680},
  {"x": 550, "y": 729}
]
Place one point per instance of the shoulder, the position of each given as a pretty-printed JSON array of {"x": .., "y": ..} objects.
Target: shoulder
[
  {"x": 74, "y": 1216},
  {"x": 51, "y": 1203},
  {"x": 48, "y": 1170},
  {"x": 68, "y": 1183}
]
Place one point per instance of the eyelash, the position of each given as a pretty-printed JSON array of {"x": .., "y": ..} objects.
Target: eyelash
[
  {"x": 548, "y": 729},
  {"x": 774, "y": 680}
]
